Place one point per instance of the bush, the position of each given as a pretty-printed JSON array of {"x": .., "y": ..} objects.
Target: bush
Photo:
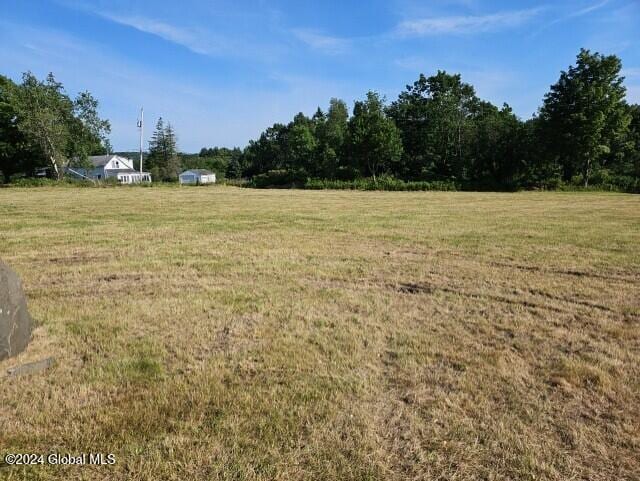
[
  {"x": 73, "y": 182},
  {"x": 603, "y": 180},
  {"x": 109, "y": 181},
  {"x": 277, "y": 178},
  {"x": 381, "y": 183},
  {"x": 272, "y": 178},
  {"x": 45, "y": 182},
  {"x": 237, "y": 182}
]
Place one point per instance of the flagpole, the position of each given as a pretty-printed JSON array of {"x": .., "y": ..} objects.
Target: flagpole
[{"x": 141, "y": 125}]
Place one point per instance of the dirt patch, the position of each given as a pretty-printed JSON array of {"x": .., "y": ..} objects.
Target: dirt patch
[{"x": 417, "y": 288}]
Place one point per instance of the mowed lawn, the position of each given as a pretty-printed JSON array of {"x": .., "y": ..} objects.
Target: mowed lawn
[{"x": 225, "y": 333}]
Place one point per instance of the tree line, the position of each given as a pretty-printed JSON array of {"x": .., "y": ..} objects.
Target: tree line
[
  {"x": 437, "y": 130},
  {"x": 584, "y": 133}
]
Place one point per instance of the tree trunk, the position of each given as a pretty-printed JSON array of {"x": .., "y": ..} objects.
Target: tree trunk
[
  {"x": 372, "y": 169},
  {"x": 587, "y": 172},
  {"x": 58, "y": 171}
]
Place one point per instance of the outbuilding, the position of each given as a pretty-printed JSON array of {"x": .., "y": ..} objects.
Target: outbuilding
[{"x": 197, "y": 176}]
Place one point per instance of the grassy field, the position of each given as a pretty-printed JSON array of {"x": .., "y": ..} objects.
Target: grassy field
[{"x": 223, "y": 333}]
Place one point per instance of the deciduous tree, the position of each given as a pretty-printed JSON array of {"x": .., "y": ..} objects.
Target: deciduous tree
[
  {"x": 374, "y": 140},
  {"x": 584, "y": 114}
]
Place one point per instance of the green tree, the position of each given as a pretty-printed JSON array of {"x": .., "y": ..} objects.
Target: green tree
[
  {"x": 235, "y": 164},
  {"x": 64, "y": 130},
  {"x": 17, "y": 153},
  {"x": 331, "y": 133},
  {"x": 88, "y": 131},
  {"x": 435, "y": 116},
  {"x": 266, "y": 153},
  {"x": 171, "y": 159},
  {"x": 223, "y": 161},
  {"x": 495, "y": 159},
  {"x": 374, "y": 140},
  {"x": 584, "y": 115},
  {"x": 300, "y": 145},
  {"x": 154, "y": 161},
  {"x": 633, "y": 157},
  {"x": 44, "y": 113},
  {"x": 163, "y": 161}
]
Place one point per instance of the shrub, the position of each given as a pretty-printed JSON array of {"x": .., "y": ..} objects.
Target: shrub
[
  {"x": 381, "y": 183},
  {"x": 45, "y": 182},
  {"x": 277, "y": 178},
  {"x": 236, "y": 182}
]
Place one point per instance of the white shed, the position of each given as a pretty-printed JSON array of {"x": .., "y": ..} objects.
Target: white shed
[{"x": 197, "y": 176}]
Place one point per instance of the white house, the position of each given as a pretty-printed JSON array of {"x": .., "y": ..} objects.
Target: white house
[
  {"x": 109, "y": 166},
  {"x": 197, "y": 176}
]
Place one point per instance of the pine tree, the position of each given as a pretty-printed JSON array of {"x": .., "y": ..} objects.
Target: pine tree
[
  {"x": 163, "y": 161},
  {"x": 171, "y": 160},
  {"x": 156, "y": 149}
]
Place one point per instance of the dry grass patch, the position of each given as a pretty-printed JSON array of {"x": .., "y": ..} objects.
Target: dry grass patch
[{"x": 220, "y": 333}]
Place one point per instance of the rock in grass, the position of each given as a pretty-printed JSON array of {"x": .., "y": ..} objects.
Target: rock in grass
[
  {"x": 15, "y": 321},
  {"x": 31, "y": 367}
]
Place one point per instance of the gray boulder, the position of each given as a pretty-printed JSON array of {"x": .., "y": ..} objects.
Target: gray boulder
[{"x": 15, "y": 321}]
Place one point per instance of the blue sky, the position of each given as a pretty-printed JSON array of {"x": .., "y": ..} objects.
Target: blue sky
[{"x": 222, "y": 71}]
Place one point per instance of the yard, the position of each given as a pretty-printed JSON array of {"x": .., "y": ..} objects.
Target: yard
[{"x": 225, "y": 333}]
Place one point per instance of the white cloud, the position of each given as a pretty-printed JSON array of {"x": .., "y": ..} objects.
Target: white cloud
[
  {"x": 575, "y": 14},
  {"x": 203, "y": 43},
  {"x": 321, "y": 42},
  {"x": 588, "y": 9},
  {"x": 181, "y": 36},
  {"x": 465, "y": 24}
]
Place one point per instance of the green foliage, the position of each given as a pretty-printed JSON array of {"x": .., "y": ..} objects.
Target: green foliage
[
  {"x": 331, "y": 132},
  {"x": 88, "y": 130},
  {"x": 221, "y": 160},
  {"x": 439, "y": 130},
  {"x": 18, "y": 154},
  {"x": 64, "y": 130},
  {"x": 375, "y": 146},
  {"x": 380, "y": 183},
  {"x": 277, "y": 178},
  {"x": 163, "y": 161},
  {"x": 436, "y": 118},
  {"x": 585, "y": 118},
  {"x": 436, "y": 131},
  {"x": 629, "y": 165},
  {"x": 44, "y": 182},
  {"x": 237, "y": 182}
]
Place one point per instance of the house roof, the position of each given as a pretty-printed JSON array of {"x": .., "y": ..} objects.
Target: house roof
[
  {"x": 102, "y": 160},
  {"x": 198, "y": 171}
]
